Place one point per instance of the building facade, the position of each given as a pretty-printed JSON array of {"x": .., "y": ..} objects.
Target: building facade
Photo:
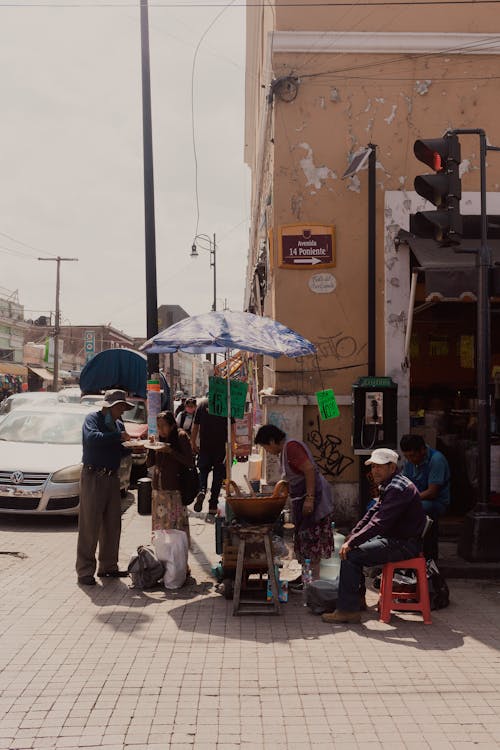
[{"x": 326, "y": 85}]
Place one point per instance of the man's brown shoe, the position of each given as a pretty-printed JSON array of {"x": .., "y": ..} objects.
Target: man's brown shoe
[{"x": 339, "y": 616}]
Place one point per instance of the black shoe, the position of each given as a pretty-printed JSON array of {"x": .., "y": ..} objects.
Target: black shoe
[
  {"x": 114, "y": 574},
  {"x": 200, "y": 497},
  {"x": 210, "y": 517},
  {"x": 296, "y": 585},
  {"x": 87, "y": 581}
]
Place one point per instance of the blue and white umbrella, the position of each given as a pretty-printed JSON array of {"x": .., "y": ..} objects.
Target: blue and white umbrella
[{"x": 221, "y": 331}]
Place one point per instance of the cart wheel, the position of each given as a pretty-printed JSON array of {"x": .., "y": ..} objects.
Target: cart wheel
[{"x": 228, "y": 588}]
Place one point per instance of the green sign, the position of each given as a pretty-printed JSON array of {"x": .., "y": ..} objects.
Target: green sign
[
  {"x": 217, "y": 397},
  {"x": 328, "y": 408},
  {"x": 375, "y": 382}
]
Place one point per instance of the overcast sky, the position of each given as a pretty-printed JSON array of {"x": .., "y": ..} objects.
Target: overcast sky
[{"x": 71, "y": 170}]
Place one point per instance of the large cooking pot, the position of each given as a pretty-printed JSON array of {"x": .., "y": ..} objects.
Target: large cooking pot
[{"x": 257, "y": 509}]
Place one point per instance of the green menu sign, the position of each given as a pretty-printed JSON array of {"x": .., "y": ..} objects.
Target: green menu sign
[
  {"x": 217, "y": 397},
  {"x": 328, "y": 408}
]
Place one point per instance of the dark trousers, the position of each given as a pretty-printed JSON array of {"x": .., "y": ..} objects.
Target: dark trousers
[
  {"x": 99, "y": 520},
  {"x": 376, "y": 551},
  {"x": 216, "y": 464},
  {"x": 431, "y": 540}
]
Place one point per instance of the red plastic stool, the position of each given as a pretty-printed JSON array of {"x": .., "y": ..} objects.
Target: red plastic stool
[{"x": 387, "y": 595}]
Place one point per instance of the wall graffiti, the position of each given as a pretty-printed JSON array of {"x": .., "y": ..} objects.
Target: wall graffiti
[
  {"x": 327, "y": 453},
  {"x": 339, "y": 346}
]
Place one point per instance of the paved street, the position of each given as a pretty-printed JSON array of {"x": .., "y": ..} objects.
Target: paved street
[{"x": 111, "y": 667}]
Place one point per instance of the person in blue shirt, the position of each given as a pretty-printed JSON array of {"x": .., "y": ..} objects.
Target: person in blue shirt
[
  {"x": 429, "y": 471},
  {"x": 99, "y": 517}
]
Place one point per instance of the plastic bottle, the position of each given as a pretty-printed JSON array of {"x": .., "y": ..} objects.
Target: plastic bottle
[
  {"x": 306, "y": 579},
  {"x": 330, "y": 568}
]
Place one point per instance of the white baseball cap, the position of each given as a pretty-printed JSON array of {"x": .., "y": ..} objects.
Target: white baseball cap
[{"x": 383, "y": 456}]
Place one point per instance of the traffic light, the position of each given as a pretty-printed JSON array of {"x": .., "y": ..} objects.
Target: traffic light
[{"x": 443, "y": 189}]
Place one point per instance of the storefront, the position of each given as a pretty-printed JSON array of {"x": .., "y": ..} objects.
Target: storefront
[
  {"x": 440, "y": 357},
  {"x": 40, "y": 379},
  {"x": 12, "y": 378}
]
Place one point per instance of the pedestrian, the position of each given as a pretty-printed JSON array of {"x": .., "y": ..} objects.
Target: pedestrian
[
  {"x": 310, "y": 495},
  {"x": 391, "y": 530},
  {"x": 168, "y": 512},
  {"x": 185, "y": 418},
  {"x": 99, "y": 517},
  {"x": 212, "y": 432},
  {"x": 429, "y": 471}
]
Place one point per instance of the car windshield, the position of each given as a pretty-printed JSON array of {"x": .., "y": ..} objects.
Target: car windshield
[
  {"x": 42, "y": 427},
  {"x": 137, "y": 414},
  {"x": 23, "y": 399}
]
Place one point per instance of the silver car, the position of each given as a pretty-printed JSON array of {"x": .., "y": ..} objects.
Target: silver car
[{"x": 40, "y": 460}]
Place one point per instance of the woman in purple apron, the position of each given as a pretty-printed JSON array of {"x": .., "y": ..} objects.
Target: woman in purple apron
[{"x": 310, "y": 495}]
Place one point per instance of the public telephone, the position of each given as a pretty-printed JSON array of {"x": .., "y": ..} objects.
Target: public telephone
[{"x": 374, "y": 414}]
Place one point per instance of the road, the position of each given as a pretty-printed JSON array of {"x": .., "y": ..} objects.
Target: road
[{"x": 112, "y": 667}]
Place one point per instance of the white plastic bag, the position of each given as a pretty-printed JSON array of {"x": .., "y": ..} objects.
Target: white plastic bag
[{"x": 172, "y": 549}]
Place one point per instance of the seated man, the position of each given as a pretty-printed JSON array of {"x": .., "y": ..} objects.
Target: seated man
[
  {"x": 391, "y": 530},
  {"x": 429, "y": 471}
]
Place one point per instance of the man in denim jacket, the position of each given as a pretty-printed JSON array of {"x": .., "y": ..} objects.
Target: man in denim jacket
[{"x": 391, "y": 530}]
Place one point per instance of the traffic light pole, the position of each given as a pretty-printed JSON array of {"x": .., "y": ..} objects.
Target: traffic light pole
[{"x": 480, "y": 537}]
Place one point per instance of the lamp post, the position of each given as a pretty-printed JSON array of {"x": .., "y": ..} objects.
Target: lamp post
[
  {"x": 212, "y": 249},
  {"x": 211, "y": 246}
]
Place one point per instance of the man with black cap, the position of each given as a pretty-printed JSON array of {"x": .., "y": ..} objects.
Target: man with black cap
[
  {"x": 100, "y": 505},
  {"x": 391, "y": 530}
]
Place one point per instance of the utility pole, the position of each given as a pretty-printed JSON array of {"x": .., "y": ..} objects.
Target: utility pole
[
  {"x": 149, "y": 197},
  {"x": 57, "y": 326}
]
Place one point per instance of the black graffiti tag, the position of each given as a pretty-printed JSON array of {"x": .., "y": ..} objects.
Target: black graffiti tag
[{"x": 327, "y": 453}]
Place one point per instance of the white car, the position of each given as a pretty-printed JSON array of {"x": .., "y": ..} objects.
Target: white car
[
  {"x": 31, "y": 398},
  {"x": 40, "y": 460}
]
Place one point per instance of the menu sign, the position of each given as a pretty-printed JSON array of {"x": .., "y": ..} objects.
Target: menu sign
[{"x": 307, "y": 247}]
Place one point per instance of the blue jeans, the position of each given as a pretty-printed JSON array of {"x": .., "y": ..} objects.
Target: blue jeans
[
  {"x": 216, "y": 465},
  {"x": 434, "y": 510},
  {"x": 376, "y": 551}
]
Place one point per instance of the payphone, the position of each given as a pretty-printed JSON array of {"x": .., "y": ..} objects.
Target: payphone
[{"x": 375, "y": 414}]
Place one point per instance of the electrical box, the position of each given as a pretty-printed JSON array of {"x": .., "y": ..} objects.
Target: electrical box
[{"x": 375, "y": 414}]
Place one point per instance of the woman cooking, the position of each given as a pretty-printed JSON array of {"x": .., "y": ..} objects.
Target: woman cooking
[
  {"x": 310, "y": 494},
  {"x": 168, "y": 511}
]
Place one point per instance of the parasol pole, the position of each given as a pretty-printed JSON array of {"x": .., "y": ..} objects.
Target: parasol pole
[{"x": 229, "y": 452}]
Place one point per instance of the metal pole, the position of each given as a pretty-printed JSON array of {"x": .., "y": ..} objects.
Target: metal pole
[
  {"x": 149, "y": 202},
  {"x": 214, "y": 306},
  {"x": 483, "y": 346},
  {"x": 57, "y": 326},
  {"x": 372, "y": 228},
  {"x": 55, "y": 385}
]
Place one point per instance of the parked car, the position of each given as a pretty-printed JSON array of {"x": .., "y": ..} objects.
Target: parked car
[
  {"x": 70, "y": 395},
  {"x": 40, "y": 460},
  {"x": 35, "y": 398}
]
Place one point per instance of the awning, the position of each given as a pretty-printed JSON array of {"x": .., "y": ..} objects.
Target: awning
[
  {"x": 451, "y": 275},
  {"x": 10, "y": 368},
  {"x": 42, "y": 373}
]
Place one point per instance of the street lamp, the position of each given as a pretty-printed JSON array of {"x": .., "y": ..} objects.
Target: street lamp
[{"x": 211, "y": 248}]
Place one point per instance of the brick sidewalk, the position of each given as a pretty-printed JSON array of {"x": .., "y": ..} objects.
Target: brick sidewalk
[{"x": 110, "y": 667}]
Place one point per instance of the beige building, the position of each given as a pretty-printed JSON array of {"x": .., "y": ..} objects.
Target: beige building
[{"x": 323, "y": 84}]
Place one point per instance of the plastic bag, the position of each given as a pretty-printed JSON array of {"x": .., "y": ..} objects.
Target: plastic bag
[{"x": 172, "y": 549}]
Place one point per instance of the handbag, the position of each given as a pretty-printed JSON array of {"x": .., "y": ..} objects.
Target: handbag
[{"x": 190, "y": 484}]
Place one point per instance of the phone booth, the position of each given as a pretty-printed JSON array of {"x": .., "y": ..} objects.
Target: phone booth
[{"x": 375, "y": 414}]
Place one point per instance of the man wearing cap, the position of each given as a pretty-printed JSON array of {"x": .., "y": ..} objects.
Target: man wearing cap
[
  {"x": 391, "y": 530},
  {"x": 100, "y": 505}
]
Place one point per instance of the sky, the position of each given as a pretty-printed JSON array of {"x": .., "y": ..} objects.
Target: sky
[{"x": 71, "y": 162}]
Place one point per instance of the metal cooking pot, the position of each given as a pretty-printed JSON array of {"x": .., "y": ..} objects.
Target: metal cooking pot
[{"x": 257, "y": 509}]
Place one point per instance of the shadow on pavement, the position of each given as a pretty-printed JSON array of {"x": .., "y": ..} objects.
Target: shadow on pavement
[{"x": 213, "y": 616}]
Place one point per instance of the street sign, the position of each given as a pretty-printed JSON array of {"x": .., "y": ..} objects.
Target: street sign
[
  {"x": 327, "y": 404},
  {"x": 89, "y": 345},
  {"x": 307, "y": 247},
  {"x": 357, "y": 162}
]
